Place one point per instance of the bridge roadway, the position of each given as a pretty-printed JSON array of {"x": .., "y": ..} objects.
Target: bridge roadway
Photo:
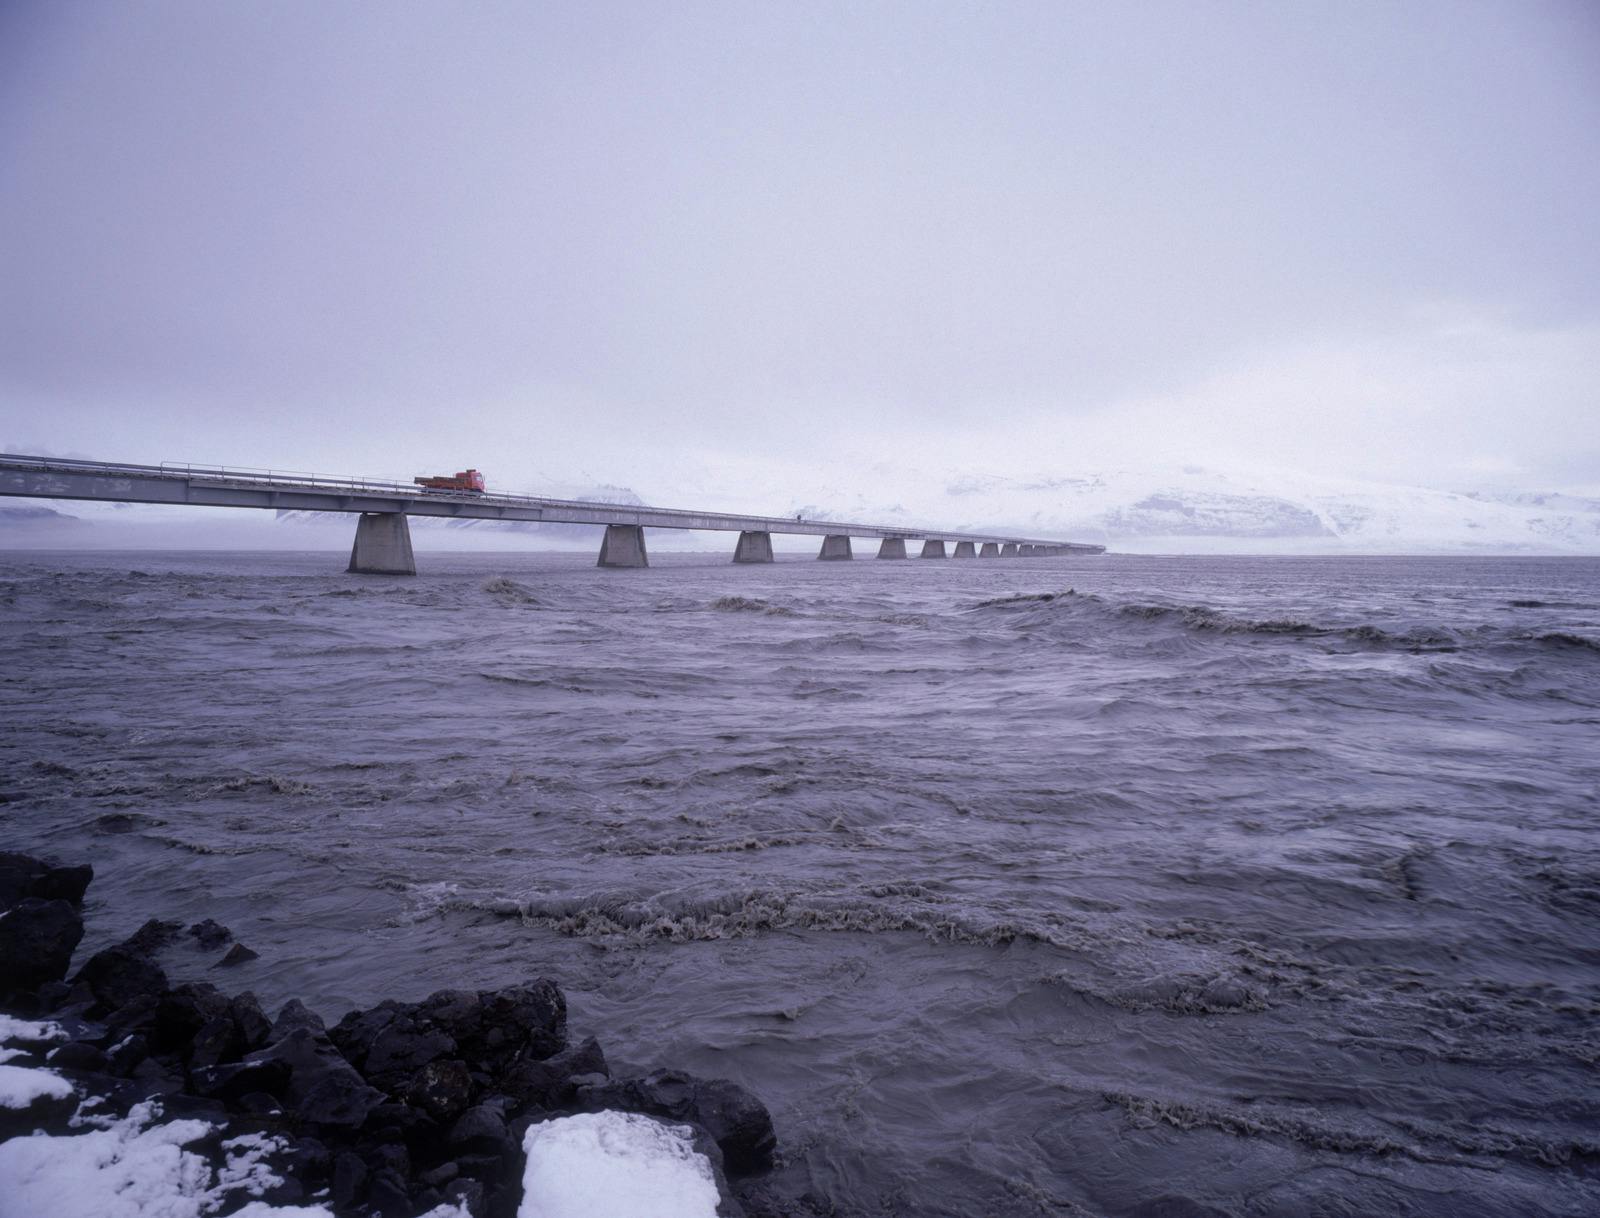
[{"x": 383, "y": 537}]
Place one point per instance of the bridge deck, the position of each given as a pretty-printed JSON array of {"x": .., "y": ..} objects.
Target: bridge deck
[{"x": 215, "y": 486}]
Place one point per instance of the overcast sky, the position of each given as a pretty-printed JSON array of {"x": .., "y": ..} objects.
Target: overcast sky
[{"x": 620, "y": 242}]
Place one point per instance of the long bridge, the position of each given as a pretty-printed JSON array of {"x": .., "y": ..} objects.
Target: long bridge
[{"x": 383, "y": 536}]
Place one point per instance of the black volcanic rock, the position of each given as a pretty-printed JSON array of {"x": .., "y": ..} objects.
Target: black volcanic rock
[
  {"x": 22, "y": 876},
  {"x": 127, "y": 1054},
  {"x": 388, "y": 1155},
  {"x": 553, "y": 1081},
  {"x": 237, "y": 954},
  {"x": 137, "y": 1015},
  {"x": 400, "y": 1123},
  {"x": 183, "y": 1010},
  {"x": 233, "y": 1081},
  {"x": 154, "y": 1078},
  {"x": 464, "y": 1191},
  {"x": 255, "y": 1029},
  {"x": 120, "y": 974},
  {"x": 480, "y": 1130},
  {"x": 216, "y": 1041},
  {"x": 64, "y": 883},
  {"x": 485, "y": 1032},
  {"x": 78, "y": 1055},
  {"x": 404, "y": 1048},
  {"x": 349, "y": 1179},
  {"x": 323, "y": 1088},
  {"x": 295, "y": 1016},
  {"x": 442, "y": 1089},
  {"x": 210, "y": 935},
  {"x": 37, "y": 939},
  {"x": 387, "y": 1194},
  {"x": 152, "y": 936},
  {"x": 736, "y": 1120},
  {"x": 494, "y": 1026}
]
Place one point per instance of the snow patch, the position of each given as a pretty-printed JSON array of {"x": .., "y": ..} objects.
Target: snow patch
[
  {"x": 618, "y": 1164},
  {"x": 20, "y": 1087},
  {"x": 458, "y": 1210},
  {"x": 135, "y": 1169},
  {"x": 29, "y": 1030}
]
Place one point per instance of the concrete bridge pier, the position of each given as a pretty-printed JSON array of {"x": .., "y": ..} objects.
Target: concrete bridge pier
[
  {"x": 623, "y": 546},
  {"x": 383, "y": 545},
  {"x": 753, "y": 546},
  {"x": 892, "y": 547},
  {"x": 965, "y": 549},
  {"x": 1028, "y": 551},
  {"x": 836, "y": 548},
  {"x": 933, "y": 549},
  {"x": 1008, "y": 550},
  {"x": 989, "y": 549}
]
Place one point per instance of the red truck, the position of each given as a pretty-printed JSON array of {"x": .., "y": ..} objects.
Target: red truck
[{"x": 462, "y": 482}]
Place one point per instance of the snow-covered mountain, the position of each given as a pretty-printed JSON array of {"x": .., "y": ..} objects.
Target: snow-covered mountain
[{"x": 1191, "y": 508}]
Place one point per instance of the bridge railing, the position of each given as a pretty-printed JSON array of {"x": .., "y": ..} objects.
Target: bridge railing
[{"x": 245, "y": 473}]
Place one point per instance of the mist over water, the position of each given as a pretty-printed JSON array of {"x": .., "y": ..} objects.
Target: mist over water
[{"x": 1100, "y": 886}]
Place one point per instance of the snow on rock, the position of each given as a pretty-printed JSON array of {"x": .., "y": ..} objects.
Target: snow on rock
[
  {"x": 22, "y": 1088},
  {"x": 29, "y": 1030},
  {"x": 135, "y": 1169},
  {"x": 618, "y": 1164}
]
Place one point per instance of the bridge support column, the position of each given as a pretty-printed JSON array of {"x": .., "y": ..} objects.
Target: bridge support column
[
  {"x": 383, "y": 545},
  {"x": 933, "y": 549},
  {"x": 623, "y": 546},
  {"x": 965, "y": 549},
  {"x": 753, "y": 547},
  {"x": 835, "y": 548},
  {"x": 1028, "y": 551},
  {"x": 892, "y": 547},
  {"x": 1008, "y": 550},
  {"x": 989, "y": 549}
]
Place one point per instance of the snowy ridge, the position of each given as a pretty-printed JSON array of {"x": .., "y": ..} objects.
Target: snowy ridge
[{"x": 1196, "y": 509}]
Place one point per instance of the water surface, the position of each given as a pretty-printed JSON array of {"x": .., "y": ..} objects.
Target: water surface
[{"x": 1105, "y": 886}]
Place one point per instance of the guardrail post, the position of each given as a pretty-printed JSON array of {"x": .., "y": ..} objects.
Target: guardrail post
[
  {"x": 383, "y": 545},
  {"x": 623, "y": 546},
  {"x": 753, "y": 546},
  {"x": 836, "y": 548}
]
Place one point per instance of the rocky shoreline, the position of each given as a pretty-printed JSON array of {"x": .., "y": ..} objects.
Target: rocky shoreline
[{"x": 404, "y": 1109}]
